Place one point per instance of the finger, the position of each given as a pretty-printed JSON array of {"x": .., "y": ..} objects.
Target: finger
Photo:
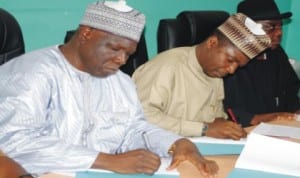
[
  {"x": 285, "y": 117},
  {"x": 147, "y": 167},
  {"x": 245, "y": 133},
  {"x": 150, "y": 167},
  {"x": 209, "y": 168},
  {"x": 211, "y": 173},
  {"x": 292, "y": 116},
  {"x": 149, "y": 171},
  {"x": 215, "y": 167},
  {"x": 151, "y": 157},
  {"x": 151, "y": 163},
  {"x": 236, "y": 132},
  {"x": 237, "y": 135},
  {"x": 241, "y": 130}
]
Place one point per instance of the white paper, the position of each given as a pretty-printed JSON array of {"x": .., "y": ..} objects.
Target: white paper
[
  {"x": 217, "y": 140},
  {"x": 165, "y": 162},
  {"x": 277, "y": 130},
  {"x": 270, "y": 154},
  {"x": 298, "y": 117}
]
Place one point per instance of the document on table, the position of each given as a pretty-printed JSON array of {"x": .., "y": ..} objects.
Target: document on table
[
  {"x": 165, "y": 162},
  {"x": 277, "y": 130},
  {"x": 215, "y": 146},
  {"x": 298, "y": 117},
  {"x": 217, "y": 140},
  {"x": 161, "y": 173},
  {"x": 270, "y": 154}
]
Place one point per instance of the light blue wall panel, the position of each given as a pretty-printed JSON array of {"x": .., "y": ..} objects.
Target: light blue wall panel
[{"x": 44, "y": 22}]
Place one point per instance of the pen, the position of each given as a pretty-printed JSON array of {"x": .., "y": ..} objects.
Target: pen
[
  {"x": 231, "y": 114},
  {"x": 145, "y": 138}
]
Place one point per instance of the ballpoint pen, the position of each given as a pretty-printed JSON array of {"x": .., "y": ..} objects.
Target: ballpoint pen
[
  {"x": 231, "y": 114},
  {"x": 145, "y": 138}
]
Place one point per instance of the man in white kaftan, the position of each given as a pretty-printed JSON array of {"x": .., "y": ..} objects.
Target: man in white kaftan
[{"x": 52, "y": 112}]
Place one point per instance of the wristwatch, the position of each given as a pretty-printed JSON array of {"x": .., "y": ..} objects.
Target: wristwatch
[{"x": 204, "y": 129}]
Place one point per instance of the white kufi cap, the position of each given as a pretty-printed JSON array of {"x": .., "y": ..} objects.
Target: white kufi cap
[
  {"x": 245, "y": 34},
  {"x": 116, "y": 18}
]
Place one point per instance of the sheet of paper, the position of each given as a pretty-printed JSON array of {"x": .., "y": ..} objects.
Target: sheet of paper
[
  {"x": 217, "y": 140},
  {"x": 270, "y": 154},
  {"x": 161, "y": 173},
  {"x": 298, "y": 117},
  {"x": 165, "y": 162},
  {"x": 277, "y": 130}
]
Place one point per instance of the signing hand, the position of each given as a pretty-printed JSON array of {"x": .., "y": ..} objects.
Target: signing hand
[
  {"x": 222, "y": 128},
  {"x": 136, "y": 161}
]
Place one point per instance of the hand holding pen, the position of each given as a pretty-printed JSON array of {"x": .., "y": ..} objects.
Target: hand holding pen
[
  {"x": 222, "y": 128},
  {"x": 141, "y": 160}
]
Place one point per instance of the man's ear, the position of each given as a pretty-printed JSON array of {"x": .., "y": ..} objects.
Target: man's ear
[
  {"x": 212, "y": 41},
  {"x": 84, "y": 33}
]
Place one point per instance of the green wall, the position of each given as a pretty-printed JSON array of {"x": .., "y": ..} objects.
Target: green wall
[
  {"x": 293, "y": 37},
  {"x": 44, "y": 23}
]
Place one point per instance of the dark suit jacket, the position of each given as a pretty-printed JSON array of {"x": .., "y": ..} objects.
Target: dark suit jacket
[{"x": 262, "y": 86}]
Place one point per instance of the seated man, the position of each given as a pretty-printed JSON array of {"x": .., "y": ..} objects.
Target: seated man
[
  {"x": 182, "y": 89},
  {"x": 267, "y": 88},
  {"x": 69, "y": 107}
]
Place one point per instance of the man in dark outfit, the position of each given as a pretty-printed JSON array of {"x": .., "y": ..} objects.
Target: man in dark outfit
[{"x": 267, "y": 87}]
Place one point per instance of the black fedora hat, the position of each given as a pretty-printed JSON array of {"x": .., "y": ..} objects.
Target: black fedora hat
[{"x": 262, "y": 10}]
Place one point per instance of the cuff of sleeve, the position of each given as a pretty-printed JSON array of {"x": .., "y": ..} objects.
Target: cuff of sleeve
[{"x": 191, "y": 128}]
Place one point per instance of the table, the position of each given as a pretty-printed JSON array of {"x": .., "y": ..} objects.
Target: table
[{"x": 226, "y": 162}]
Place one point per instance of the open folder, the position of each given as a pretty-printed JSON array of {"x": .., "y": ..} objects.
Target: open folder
[{"x": 268, "y": 155}]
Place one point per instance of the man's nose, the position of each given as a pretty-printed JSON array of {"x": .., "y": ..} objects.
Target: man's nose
[
  {"x": 121, "y": 58},
  {"x": 232, "y": 68},
  {"x": 278, "y": 32}
]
